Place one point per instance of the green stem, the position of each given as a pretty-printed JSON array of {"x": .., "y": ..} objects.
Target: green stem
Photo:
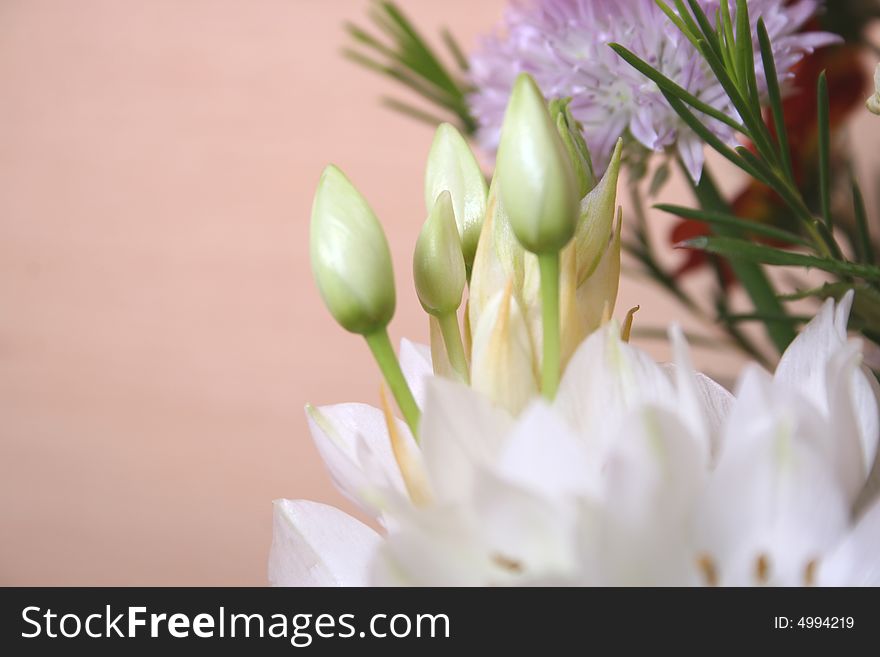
[
  {"x": 454, "y": 346},
  {"x": 380, "y": 345},
  {"x": 668, "y": 282},
  {"x": 550, "y": 369},
  {"x": 749, "y": 274}
]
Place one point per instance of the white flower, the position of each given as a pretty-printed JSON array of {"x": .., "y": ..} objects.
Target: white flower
[{"x": 638, "y": 473}]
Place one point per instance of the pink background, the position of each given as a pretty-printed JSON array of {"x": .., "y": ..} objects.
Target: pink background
[{"x": 159, "y": 327}]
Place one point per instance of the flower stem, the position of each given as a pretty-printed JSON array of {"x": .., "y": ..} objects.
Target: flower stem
[
  {"x": 550, "y": 367},
  {"x": 380, "y": 345},
  {"x": 454, "y": 346},
  {"x": 750, "y": 274}
]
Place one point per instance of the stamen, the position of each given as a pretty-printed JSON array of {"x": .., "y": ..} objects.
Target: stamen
[
  {"x": 628, "y": 323},
  {"x": 707, "y": 567},
  {"x": 507, "y": 563},
  {"x": 810, "y": 573},
  {"x": 410, "y": 469},
  {"x": 762, "y": 569}
]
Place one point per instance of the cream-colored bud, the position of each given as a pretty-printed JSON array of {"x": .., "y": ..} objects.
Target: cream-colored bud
[
  {"x": 536, "y": 181},
  {"x": 351, "y": 262},
  {"x": 453, "y": 168},
  {"x": 438, "y": 264}
]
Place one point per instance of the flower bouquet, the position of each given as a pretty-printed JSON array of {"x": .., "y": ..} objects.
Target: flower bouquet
[{"x": 531, "y": 443}]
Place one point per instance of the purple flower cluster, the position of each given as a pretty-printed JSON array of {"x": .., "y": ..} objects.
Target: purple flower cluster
[{"x": 563, "y": 44}]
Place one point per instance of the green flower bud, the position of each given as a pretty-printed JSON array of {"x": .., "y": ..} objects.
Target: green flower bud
[
  {"x": 452, "y": 167},
  {"x": 350, "y": 257},
  {"x": 438, "y": 264},
  {"x": 571, "y": 133},
  {"x": 536, "y": 182}
]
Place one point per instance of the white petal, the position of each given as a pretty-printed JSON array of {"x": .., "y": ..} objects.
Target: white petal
[
  {"x": 544, "y": 455},
  {"x": 871, "y": 492},
  {"x": 604, "y": 379},
  {"x": 865, "y": 398},
  {"x": 716, "y": 401},
  {"x": 415, "y": 361},
  {"x": 689, "y": 400},
  {"x": 438, "y": 546},
  {"x": 525, "y": 534},
  {"x": 654, "y": 474},
  {"x": 460, "y": 429},
  {"x": 318, "y": 545},
  {"x": 804, "y": 367},
  {"x": 337, "y": 431},
  {"x": 846, "y": 408},
  {"x": 856, "y": 561},
  {"x": 775, "y": 497}
]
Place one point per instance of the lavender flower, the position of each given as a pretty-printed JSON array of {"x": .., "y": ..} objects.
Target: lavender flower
[{"x": 564, "y": 45}]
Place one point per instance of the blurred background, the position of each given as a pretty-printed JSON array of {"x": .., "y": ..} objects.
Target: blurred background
[{"x": 159, "y": 328}]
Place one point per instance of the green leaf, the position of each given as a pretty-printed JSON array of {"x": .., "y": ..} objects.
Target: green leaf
[
  {"x": 736, "y": 248},
  {"x": 752, "y": 277},
  {"x": 407, "y": 78},
  {"x": 824, "y": 291},
  {"x": 863, "y": 245},
  {"x": 725, "y": 26},
  {"x": 676, "y": 20},
  {"x": 824, "y": 149},
  {"x": 411, "y": 111},
  {"x": 775, "y": 96},
  {"x": 749, "y": 109},
  {"x": 746, "y": 55},
  {"x": 662, "y": 333},
  {"x": 455, "y": 50},
  {"x": 668, "y": 86},
  {"x": 764, "y": 318},
  {"x": 691, "y": 30},
  {"x": 404, "y": 56},
  {"x": 659, "y": 179},
  {"x": 418, "y": 45},
  {"x": 743, "y": 226},
  {"x": 767, "y": 175},
  {"x": 709, "y": 35},
  {"x": 707, "y": 135}
]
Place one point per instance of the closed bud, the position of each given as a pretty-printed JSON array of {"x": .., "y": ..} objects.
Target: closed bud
[
  {"x": 350, "y": 257},
  {"x": 537, "y": 183},
  {"x": 438, "y": 264},
  {"x": 573, "y": 139},
  {"x": 453, "y": 168}
]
